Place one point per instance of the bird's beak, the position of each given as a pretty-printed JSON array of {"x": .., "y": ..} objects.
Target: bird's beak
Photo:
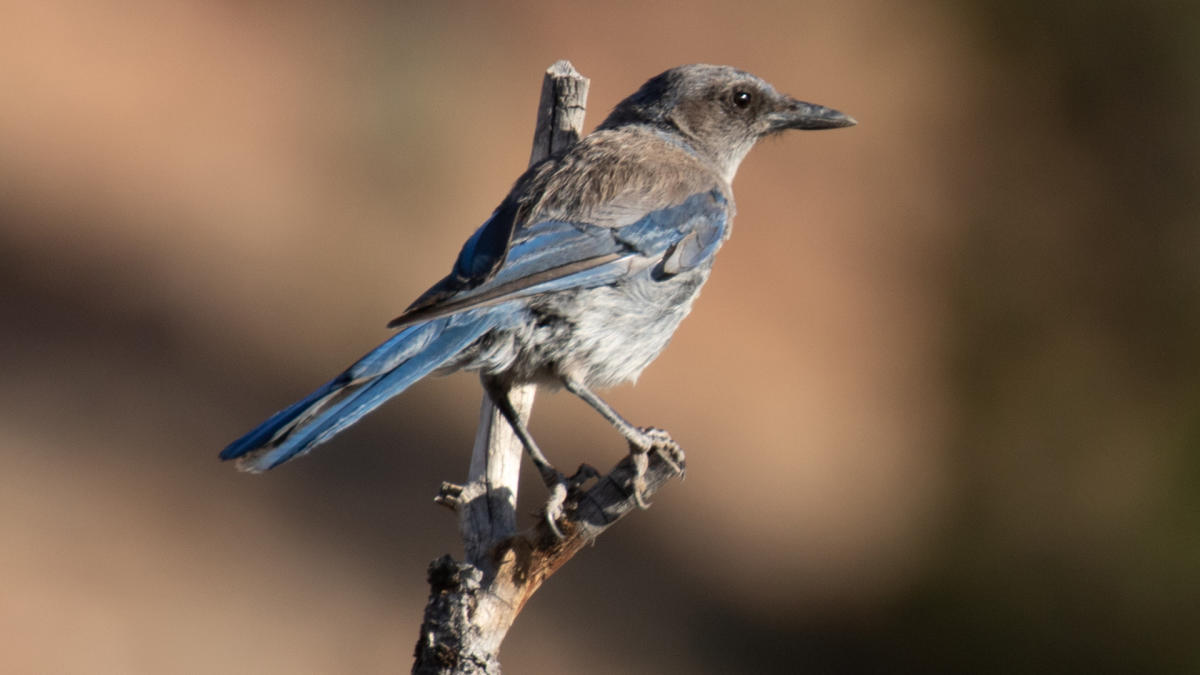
[{"x": 800, "y": 115}]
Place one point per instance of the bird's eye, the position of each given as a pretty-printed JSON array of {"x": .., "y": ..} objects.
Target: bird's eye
[{"x": 741, "y": 98}]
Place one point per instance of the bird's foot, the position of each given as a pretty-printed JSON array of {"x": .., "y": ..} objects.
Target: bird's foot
[
  {"x": 651, "y": 439},
  {"x": 560, "y": 488},
  {"x": 554, "y": 506},
  {"x": 641, "y": 462},
  {"x": 659, "y": 441}
]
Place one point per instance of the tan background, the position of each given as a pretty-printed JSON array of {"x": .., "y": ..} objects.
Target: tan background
[{"x": 940, "y": 397}]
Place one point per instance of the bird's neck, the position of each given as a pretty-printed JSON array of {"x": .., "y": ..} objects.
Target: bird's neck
[
  {"x": 724, "y": 158},
  {"x": 725, "y": 164}
]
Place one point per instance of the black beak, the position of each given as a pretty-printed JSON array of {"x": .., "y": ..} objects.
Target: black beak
[{"x": 801, "y": 115}]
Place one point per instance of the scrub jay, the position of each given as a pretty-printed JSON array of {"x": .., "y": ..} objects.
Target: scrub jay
[{"x": 581, "y": 275}]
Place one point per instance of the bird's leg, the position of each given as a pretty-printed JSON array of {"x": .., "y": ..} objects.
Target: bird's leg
[
  {"x": 642, "y": 440},
  {"x": 550, "y": 476}
]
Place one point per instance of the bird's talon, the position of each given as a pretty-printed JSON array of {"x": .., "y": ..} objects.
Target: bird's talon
[
  {"x": 654, "y": 438},
  {"x": 660, "y": 442},
  {"x": 641, "y": 462},
  {"x": 674, "y": 458},
  {"x": 554, "y": 507},
  {"x": 639, "y": 492}
]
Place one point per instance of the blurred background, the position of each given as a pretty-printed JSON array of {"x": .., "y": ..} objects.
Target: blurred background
[{"x": 941, "y": 397}]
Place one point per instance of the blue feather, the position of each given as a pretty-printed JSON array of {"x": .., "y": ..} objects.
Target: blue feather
[
  {"x": 386, "y": 371},
  {"x": 585, "y": 269}
]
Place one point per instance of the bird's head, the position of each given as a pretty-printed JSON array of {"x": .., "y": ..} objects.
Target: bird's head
[{"x": 720, "y": 111}]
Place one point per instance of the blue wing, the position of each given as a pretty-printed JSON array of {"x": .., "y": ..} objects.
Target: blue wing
[
  {"x": 553, "y": 255},
  {"x": 500, "y": 262}
]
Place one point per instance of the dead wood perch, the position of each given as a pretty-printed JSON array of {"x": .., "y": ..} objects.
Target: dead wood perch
[{"x": 473, "y": 603}]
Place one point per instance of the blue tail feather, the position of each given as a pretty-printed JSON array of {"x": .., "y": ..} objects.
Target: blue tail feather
[{"x": 383, "y": 373}]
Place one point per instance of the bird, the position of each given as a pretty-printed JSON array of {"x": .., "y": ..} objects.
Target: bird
[{"x": 580, "y": 277}]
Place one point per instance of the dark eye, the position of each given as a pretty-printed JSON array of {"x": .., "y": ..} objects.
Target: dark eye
[{"x": 742, "y": 98}]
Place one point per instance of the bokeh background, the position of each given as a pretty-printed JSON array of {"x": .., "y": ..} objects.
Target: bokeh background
[{"x": 941, "y": 397}]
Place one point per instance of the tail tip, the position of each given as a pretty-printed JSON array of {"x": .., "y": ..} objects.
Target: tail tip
[{"x": 245, "y": 460}]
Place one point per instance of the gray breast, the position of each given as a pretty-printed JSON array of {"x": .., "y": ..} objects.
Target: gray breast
[
  {"x": 616, "y": 331},
  {"x": 603, "y": 336}
]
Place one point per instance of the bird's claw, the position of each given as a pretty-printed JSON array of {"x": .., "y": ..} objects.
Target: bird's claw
[
  {"x": 641, "y": 462},
  {"x": 659, "y": 441},
  {"x": 554, "y": 506},
  {"x": 560, "y": 487},
  {"x": 652, "y": 440}
]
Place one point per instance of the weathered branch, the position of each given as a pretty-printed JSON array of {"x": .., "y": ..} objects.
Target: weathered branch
[
  {"x": 472, "y": 604},
  {"x": 489, "y": 512},
  {"x": 470, "y": 610}
]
